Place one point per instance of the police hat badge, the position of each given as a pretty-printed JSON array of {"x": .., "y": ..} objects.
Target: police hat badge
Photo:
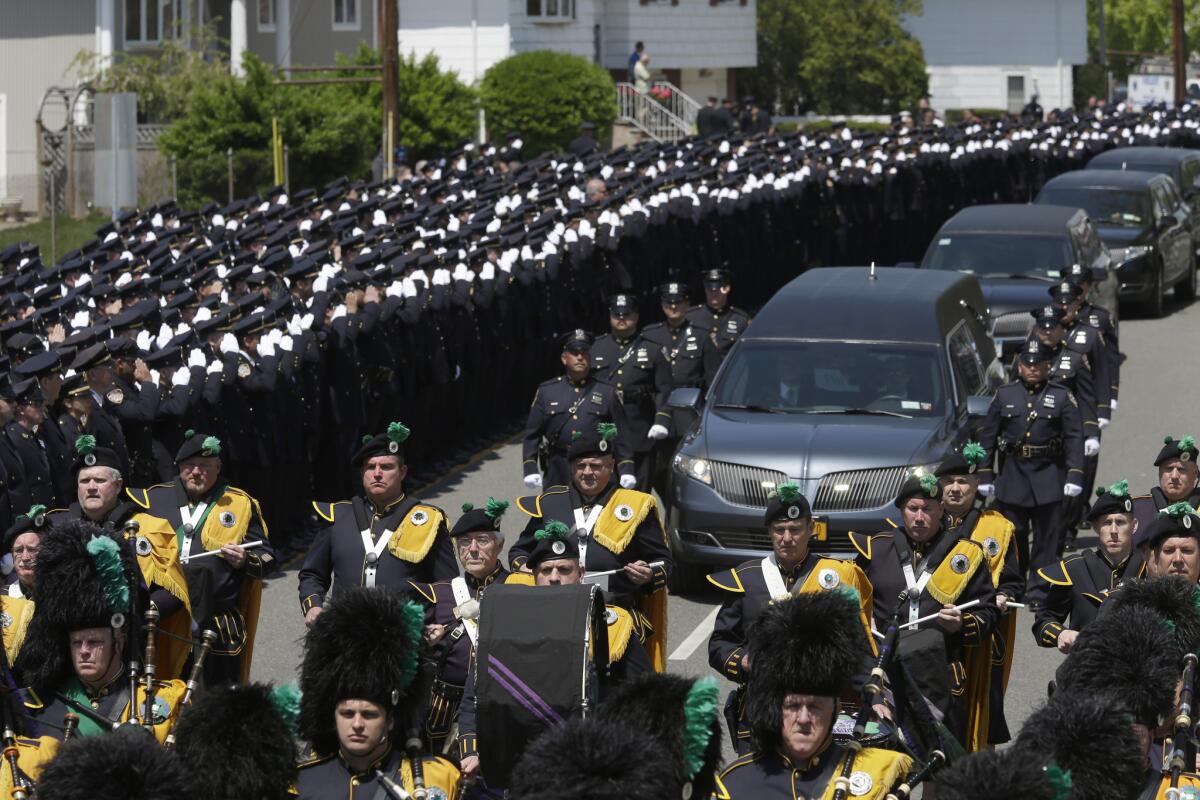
[
  {"x": 793, "y": 512},
  {"x": 90, "y": 459},
  {"x": 960, "y": 563},
  {"x": 1187, "y": 521},
  {"x": 559, "y": 547}
]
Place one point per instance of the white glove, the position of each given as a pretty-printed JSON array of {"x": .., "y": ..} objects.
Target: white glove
[
  {"x": 628, "y": 481},
  {"x": 986, "y": 489},
  {"x": 1113, "y": 404},
  {"x": 1102, "y": 422},
  {"x": 229, "y": 343},
  {"x": 215, "y": 367},
  {"x": 306, "y": 321},
  {"x": 488, "y": 271},
  {"x": 293, "y": 325},
  {"x": 154, "y": 377},
  {"x": 164, "y": 335},
  {"x": 657, "y": 432},
  {"x": 275, "y": 336},
  {"x": 1091, "y": 446},
  {"x": 441, "y": 277},
  {"x": 182, "y": 376},
  {"x": 339, "y": 312},
  {"x": 1072, "y": 490},
  {"x": 409, "y": 287},
  {"x": 266, "y": 348},
  {"x": 196, "y": 359},
  {"x": 321, "y": 284},
  {"x": 286, "y": 344},
  {"x": 533, "y": 481},
  {"x": 395, "y": 289},
  {"x": 144, "y": 340},
  {"x": 461, "y": 273}
]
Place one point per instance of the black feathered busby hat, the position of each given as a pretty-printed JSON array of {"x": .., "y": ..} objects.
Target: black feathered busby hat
[
  {"x": 786, "y": 502},
  {"x": 600, "y": 442},
  {"x": 1173, "y": 599},
  {"x": 1090, "y": 738},
  {"x": 1131, "y": 653},
  {"x": 365, "y": 646},
  {"x": 590, "y": 759},
  {"x": 475, "y": 519},
  {"x": 388, "y": 443},
  {"x": 812, "y": 643},
  {"x": 682, "y": 713},
  {"x": 1113, "y": 500},
  {"x": 197, "y": 444},
  {"x": 127, "y": 764},
  {"x": 85, "y": 578},
  {"x": 89, "y": 454},
  {"x": 1183, "y": 449},
  {"x": 999, "y": 775},
  {"x": 924, "y": 486},
  {"x": 239, "y": 742}
]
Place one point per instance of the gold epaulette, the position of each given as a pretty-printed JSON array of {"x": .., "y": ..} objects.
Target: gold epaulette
[
  {"x": 952, "y": 575},
  {"x": 415, "y": 536},
  {"x": 622, "y": 514}
]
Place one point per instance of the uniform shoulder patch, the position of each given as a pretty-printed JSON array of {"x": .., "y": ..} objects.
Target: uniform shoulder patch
[
  {"x": 326, "y": 510},
  {"x": 311, "y": 760},
  {"x": 729, "y": 580}
]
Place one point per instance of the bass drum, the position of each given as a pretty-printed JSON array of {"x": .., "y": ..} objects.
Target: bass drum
[{"x": 541, "y": 650}]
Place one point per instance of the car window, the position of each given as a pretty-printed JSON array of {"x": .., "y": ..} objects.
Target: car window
[
  {"x": 832, "y": 376},
  {"x": 1173, "y": 192},
  {"x": 964, "y": 358},
  {"x": 1000, "y": 254},
  {"x": 1089, "y": 243},
  {"x": 1162, "y": 203},
  {"x": 1121, "y": 207}
]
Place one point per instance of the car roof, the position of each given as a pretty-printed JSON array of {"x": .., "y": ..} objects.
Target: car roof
[
  {"x": 846, "y": 303},
  {"x": 1104, "y": 179},
  {"x": 1165, "y": 156},
  {"x": 1011, "y": 218}
]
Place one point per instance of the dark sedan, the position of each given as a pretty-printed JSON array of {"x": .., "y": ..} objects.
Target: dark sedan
[{"x": 1146, "y": 225}]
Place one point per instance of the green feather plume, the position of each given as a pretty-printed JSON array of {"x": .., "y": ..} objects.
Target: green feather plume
[
  {"x": 928, "y": 482},
  {"x": 553, "y": 530},
  {"x": 787, "y": 492},
  {"x": 414, "y": 629},
  {"x": 607, "y": 431},
  {"x": 1168, "y": 439},
  {"x": 1059, "y": 780},
  {"x": 366, "y": 438},
  {"x": 851, "y": 595},
  {"x": 397, "y": 432},
  {"x": 699, "y": 710},
  {"x": 1196, "y": 597},
  {"x": 1176, "y": 511},
  {"x": 973, "y": 453},
  {"x": 107, "y": 557},
  {"x": 576, "y": 435},
  {"x": 493, "y": 509},
  {"x": 34, "y": 511},
  {"x": 468, "y": 507},
  {"x": 189, "y": 433},
  {"x": 286, "y": 700},
  {"x": 211, "y": 446},
  {"x": 1187, "y": 443},
  {"x": 1119, "y": 489},
  {"x": 85, "y": 444}
]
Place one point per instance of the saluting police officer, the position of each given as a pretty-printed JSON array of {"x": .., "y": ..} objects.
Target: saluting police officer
[
  {"x": 380, "y": 538},
  {"x": 573, "y": 403},
  {"x": 636, "y": 368},
  {"x": 722, "y": 322},
  {"x": 24, "y": 441},
  {"x": 1070, "y": 592},
  {"x": 1035, "y": 430}
]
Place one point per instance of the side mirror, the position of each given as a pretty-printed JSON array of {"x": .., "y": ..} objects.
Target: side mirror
[
  {"x": 906, "y": 265},
  {"x": 1166, "y": 221},
  {"x": 686, "y": 398},
  {"x": 978, "y": 404}
]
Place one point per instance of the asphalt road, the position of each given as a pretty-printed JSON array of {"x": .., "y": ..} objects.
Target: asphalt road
[{"x": 1158, "y": 385}]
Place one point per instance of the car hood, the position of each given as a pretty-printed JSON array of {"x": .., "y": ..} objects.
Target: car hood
[
  {"x": 1005, "y": 295},
  {"x": 1117, "y": 236},
  {"x": 808, "y": 446}
]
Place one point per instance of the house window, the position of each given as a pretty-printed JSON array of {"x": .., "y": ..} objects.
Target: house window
[
  {"x": 143, "y": 23},
  {"x": 345, "y": 15},
  {"x": 266, "y": 16},
  {"x": 550, "y": 9}
]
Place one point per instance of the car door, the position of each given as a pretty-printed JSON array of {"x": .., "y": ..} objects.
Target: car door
[
  {"x": 1189, "y": 187},
  {"x": 1174, "y": 239}
]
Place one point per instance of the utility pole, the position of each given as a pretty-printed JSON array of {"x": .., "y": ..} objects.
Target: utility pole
[
  {"x": 391, "y": 77},
  {"x": 1180, "y": 53},
  {"x": 1103, "y": 47}
]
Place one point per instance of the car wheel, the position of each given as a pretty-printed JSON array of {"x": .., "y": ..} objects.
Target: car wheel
[
  {"x": 1186, "y": 289},
  {"x": 1154, "y": 306}
]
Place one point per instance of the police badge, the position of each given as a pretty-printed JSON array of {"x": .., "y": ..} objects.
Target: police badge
[{"x": 244, "y": 370}]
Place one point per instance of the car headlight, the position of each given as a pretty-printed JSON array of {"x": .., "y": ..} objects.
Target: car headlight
[
  {"x": 693, "y": 467},
  {"x": 1122, "y": 254},
  {"x": 917, "y": 470}
]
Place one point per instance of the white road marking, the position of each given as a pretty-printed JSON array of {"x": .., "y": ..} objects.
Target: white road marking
[{"x": 696, "y": 638}]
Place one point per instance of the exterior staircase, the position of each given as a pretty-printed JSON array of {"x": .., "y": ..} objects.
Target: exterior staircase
[{"x": 664, "y": 114}]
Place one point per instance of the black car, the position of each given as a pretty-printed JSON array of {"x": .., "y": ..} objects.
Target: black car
[
  {"x": 1018, "y": 252},
  {"x": 1146, "y": 225},
  {"x": 1181, "y": 164}
]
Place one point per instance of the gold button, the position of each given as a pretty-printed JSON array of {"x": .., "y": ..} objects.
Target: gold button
[{"x": 573, "y": 416}]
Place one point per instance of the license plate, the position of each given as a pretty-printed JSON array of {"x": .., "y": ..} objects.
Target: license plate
[{"x": 820, "y": 530}]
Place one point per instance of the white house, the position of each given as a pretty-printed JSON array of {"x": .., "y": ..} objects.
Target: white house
[{"x": 999, "y": 53}]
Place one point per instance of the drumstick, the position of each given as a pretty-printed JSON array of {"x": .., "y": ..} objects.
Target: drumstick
[
  {"x": 246, "y": 546},
  {"x": 651, "y": 565},
  {"x": 919, "y": 620}
]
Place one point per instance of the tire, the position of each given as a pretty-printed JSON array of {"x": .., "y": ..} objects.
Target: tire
[
  {"x": 1154, "y": 307},
  {"x": 1185, "y": 290}
]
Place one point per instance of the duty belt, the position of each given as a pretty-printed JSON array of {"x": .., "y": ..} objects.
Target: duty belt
[{"x": 1051, "y": 450}]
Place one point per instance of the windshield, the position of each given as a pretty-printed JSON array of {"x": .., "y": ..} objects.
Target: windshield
[
  {"x": 832, "y": 378},
  {"x": 1001, "y": 254},
  {"x": 1127, "y": 209}
]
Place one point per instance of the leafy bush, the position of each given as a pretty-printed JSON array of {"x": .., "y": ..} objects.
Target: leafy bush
[{"x": 544, "y": 96}]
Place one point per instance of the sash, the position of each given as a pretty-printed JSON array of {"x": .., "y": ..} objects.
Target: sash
[
  {"x": 916, "y": 585},
  {"x": 773, "y": 578},
  {"x": 461, "y": 595},
  {"x": 372, "y": 549},
  {"x": 583, "y": 528},
  {"x": 73, "y": 694},
  {"x": 193, "y": 520}
]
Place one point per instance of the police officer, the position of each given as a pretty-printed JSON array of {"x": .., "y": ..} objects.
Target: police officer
[
  {"x": 1099, "y": 318},
  {"x": 380, "y": 538},
  {"x": 22, "y": 437},
  {"x": 1071, "y": 591},
  {"x": 789, "y": 569},
  {"x": 45, "y": 368},
  {"x": 573, "y": 403},
  {"x": 1081, "y": 337},
  {"x": 940, "y": 571},
  {"x": 1178, "y": 474},
  {"x": 208, "y": 514},
  {"x": 806, "y": 651},
  {"x": 720, "y": 321},
  {"x": 1034, "y": 427},
  {"x": 452, "y": 615},
  {"x": 642, "y": 377}
]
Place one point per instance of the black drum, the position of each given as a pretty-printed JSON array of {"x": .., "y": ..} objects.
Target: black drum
[{"x": 540, "y": 651}]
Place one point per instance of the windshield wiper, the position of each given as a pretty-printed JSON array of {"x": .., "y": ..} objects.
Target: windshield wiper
[
  {"x": 751, "y": 407},
  {"x": 1028, "y": 276},
  {"x": 864, "y": 411}
]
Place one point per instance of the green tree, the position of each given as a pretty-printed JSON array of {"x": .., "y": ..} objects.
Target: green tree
[
  {"x": 544, "y": 96},
  {"x": 848, "y": 57},
  {"x": 1137, "y": 29}
]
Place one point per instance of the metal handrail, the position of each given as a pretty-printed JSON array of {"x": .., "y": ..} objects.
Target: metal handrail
[
  {"x": 681, "y": 104},
  {"x": 648, "y": 115}
]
